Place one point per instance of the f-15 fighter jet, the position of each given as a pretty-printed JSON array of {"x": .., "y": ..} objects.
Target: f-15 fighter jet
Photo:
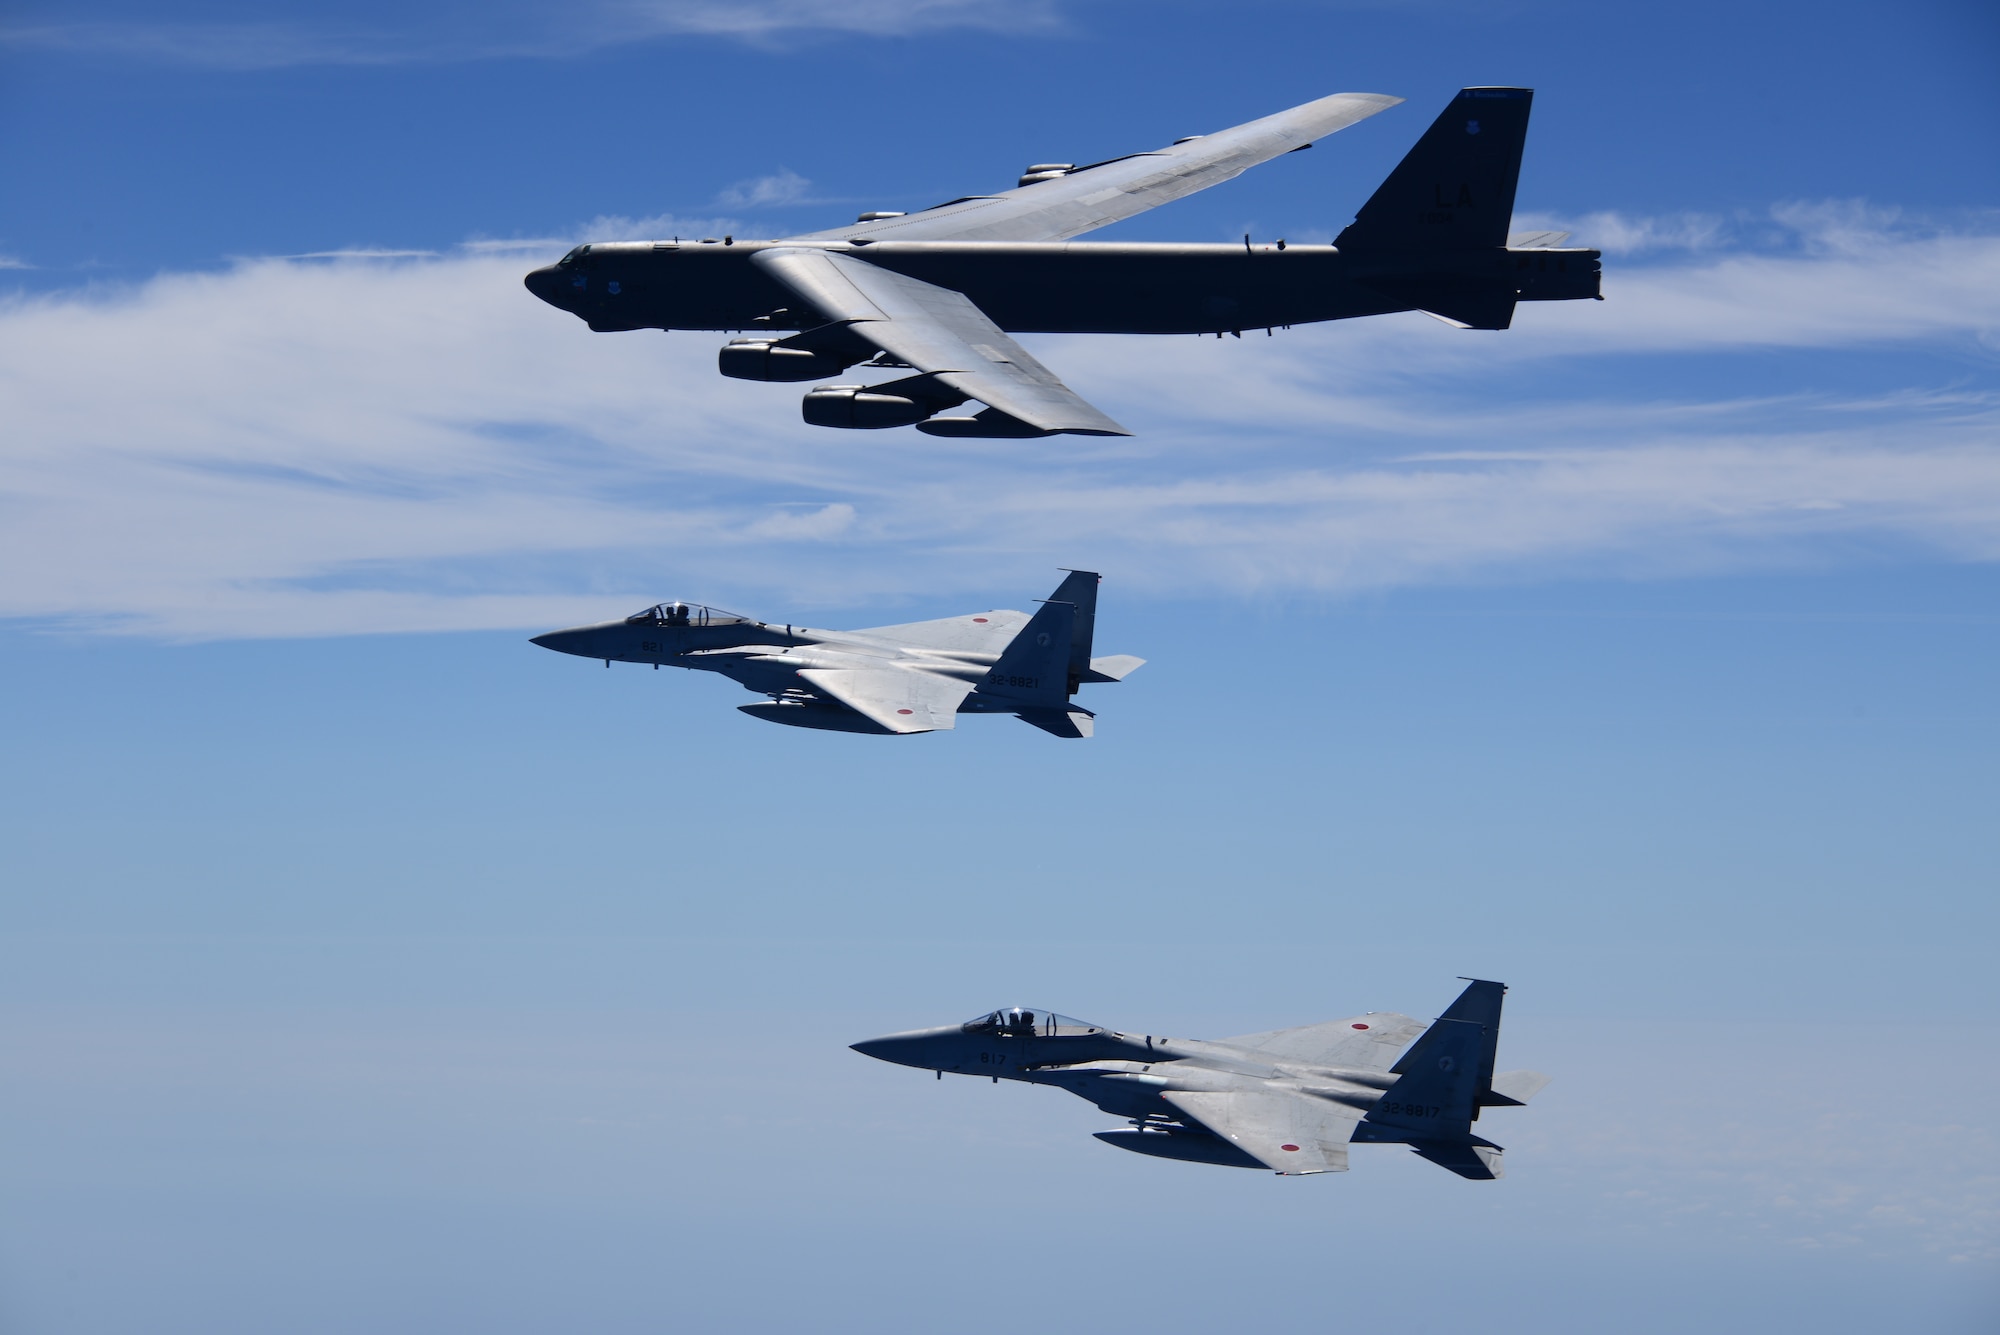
[
  {"x": 890, "y": 679},
  {"x": 1291, "y": 1100},
  {"x": 938, "y": 292}
]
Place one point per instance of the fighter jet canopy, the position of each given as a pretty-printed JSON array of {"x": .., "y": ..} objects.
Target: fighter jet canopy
[
  {"x": 685, "y": 614},
  {"x": 1025, "y": 1022}
]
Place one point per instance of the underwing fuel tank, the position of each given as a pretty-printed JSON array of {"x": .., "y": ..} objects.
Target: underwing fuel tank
[
  {"x": 1189, "y": 1146},
  {"x": 822, "y": 717}
]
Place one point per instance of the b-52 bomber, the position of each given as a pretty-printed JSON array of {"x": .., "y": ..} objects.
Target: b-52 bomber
[
  {"x": 890, "y": 679},
  {"x": 1291, "y": 1100},
  {"x": 939, "y": 292}
]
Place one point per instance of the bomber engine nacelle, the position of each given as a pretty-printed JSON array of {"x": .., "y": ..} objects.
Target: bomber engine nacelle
[
  {"x": 1046, "y": 171},
  {"x": 903, "y": 402},
  {"x": 861, "y": 408},
  {"x": 768, "y": 359}
]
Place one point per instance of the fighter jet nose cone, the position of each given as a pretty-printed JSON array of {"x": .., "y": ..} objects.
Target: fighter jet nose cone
[
  {"x": 881, "y": 1049},
  {"x": 567, "y": 642}
]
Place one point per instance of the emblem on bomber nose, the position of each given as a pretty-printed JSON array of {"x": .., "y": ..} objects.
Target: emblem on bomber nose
[{"x": 1472, "y": 127}]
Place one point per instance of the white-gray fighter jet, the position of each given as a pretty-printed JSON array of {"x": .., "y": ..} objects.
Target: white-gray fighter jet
[
  {"x": 889, "y": 679},
  {"x": 1291, "y": 1100}
]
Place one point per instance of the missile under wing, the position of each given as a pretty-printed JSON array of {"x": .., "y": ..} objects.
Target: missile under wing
[{"x": 884, "y": 680}]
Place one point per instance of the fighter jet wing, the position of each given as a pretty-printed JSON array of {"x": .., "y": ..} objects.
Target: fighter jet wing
[
  {"x": 1106, "y": 192},
  {"x": 979, "y": 633},
  {"x": 1287, "y": 1132},
  {"x": 896, "y": 698},
  {"x": 1369, "y": 1042},
  {"x": 936, "y": 331}
]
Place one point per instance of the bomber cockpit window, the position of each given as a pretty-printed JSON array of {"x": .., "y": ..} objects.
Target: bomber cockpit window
[
  {"x": 685, "y": 614},
  {"x": 1026, "y": 1022},
  {"x": 575, "y": 256}
]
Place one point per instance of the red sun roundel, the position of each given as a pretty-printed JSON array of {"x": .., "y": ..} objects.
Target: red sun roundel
[
  {"x": 906, "y": 711},
  {"x": 1357, "y": 1026},
  {"x": 1288, "y": 1147},
  {"x": 980, "y": 620}
]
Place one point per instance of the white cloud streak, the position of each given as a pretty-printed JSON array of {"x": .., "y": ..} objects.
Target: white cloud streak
[
  {"x": 349, "y": 445},
  {"x": 783, "y": 186},
  {"x": 521, "y": 31}
]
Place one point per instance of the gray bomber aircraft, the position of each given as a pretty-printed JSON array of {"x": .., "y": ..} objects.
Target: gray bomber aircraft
[
  {"x": 890, "y": 679},
  {"x": 1291, "y": 1100},
  {"x": 938, "y": 292}
]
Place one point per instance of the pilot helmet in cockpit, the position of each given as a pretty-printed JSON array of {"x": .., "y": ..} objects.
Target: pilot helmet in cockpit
[{"x": 674, "y": 614}]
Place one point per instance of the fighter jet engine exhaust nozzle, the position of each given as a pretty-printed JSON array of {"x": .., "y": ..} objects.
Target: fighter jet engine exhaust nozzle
[{"x": 769, "y": 360}]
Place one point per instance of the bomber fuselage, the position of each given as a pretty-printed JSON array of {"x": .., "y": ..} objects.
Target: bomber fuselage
[{"x": 1061, "y": 287}]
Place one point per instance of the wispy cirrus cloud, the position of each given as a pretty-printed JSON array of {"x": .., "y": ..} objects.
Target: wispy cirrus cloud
[
  {"x": 1617, "y": 233},
  {"x": 366, "y": 443},
  {"x": 521, "y": 30},
  {"x": 781, "y": 187}
]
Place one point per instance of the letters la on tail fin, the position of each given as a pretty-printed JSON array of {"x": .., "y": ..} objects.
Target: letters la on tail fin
[
  {"x": 1435, "y": 233},
  {"x": 1455, "y": 188}
]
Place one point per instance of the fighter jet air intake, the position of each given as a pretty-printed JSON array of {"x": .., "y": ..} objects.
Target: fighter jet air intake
[
  {"x": 889, "y": 679},
  {"x": 1290, "y": 1100},
  {"x": 938, "y": 292}
]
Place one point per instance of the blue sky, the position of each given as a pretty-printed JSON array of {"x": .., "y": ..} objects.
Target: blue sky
[{"x": 367, "y": 968}]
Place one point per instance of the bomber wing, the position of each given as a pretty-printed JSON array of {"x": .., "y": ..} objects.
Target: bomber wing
[
  {"x": 937, "y": 332},
  {"x": 898, "y": 699},
  {"x": 1286, "y": 1131},
  {"x": 1086, "y": 198},
  {"x": 1369, "y": 1042}
]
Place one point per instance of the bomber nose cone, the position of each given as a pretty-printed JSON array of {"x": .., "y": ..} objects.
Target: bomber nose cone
[{"x": 544, "y": 283}]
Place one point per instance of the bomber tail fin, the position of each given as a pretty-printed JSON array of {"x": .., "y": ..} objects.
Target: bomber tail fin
[{"x": 1455, "y": 189}]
